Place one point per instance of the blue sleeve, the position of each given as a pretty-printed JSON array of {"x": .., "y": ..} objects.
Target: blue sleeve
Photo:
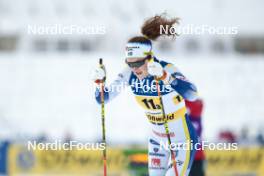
[
  {"x": 180, "y": 83},
  {"x": 98, "y": 95},
  {"x": 185, "y": 88}
]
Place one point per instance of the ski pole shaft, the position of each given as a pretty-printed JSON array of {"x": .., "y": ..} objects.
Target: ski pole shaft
[
  {"x": 167, "y": 131},
  {"x": 103, "y": 119}
]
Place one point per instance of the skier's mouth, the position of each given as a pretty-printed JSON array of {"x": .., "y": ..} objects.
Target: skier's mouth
[{"x": 139, "y": 73}]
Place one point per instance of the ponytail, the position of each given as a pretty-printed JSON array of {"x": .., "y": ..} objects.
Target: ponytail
[
  {"x": 151, "y": 29},
  {"x": 141, "y": 46}
]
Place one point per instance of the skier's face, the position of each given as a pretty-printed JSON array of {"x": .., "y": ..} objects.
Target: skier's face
[{"x": 138, "y": 66}]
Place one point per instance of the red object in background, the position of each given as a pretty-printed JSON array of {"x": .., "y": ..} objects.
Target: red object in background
[
  {"x": 227, "y": 136},
  {"x": 194, "y": 109}
]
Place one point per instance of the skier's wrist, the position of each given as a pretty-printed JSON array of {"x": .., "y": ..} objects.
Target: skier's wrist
[{"x": 99, "y": 81}]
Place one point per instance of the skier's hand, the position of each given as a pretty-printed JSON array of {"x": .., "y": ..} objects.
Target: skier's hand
[
  {"x": 99, "y": 75},
  {"x": 155, "y": 69}
]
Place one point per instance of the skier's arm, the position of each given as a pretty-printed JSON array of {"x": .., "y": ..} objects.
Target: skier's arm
[
  {"x": 180, "y": 83},
  {"x": 115, "y": 87}
]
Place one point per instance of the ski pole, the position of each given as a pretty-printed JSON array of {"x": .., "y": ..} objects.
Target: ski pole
[
  {"x": 167, "y": 131},
  {"x": 103, "y": 117}
]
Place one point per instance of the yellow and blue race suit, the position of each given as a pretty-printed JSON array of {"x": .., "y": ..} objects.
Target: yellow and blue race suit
[{"x": 181, "y": 130}]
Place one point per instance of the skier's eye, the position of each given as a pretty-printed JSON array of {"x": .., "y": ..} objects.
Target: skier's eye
[{"x": 136, "y": 64}]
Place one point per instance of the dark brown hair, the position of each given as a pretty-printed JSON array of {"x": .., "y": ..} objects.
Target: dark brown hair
[{"x": 151, "y": 29}]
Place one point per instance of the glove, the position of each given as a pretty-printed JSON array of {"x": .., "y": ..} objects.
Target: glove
[
  {"x": 155, "y": 69},
  {"x": 99, "y": 75}
]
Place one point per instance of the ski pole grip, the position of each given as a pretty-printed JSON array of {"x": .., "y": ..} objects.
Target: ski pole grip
[
  {"x": 101, "y": 62},
  {"x": 102, "y": 66}
]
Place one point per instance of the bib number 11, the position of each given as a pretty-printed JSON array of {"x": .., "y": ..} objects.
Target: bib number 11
[{"x": 149, "y": 103}]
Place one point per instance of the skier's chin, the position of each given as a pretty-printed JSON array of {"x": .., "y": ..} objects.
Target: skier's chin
[{"x": 140, "y": 75}]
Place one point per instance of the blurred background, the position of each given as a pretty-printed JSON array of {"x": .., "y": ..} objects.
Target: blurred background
[{"x": 48, "y": 50}]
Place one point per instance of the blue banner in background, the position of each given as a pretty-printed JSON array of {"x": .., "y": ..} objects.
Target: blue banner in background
[{"x": 3, "y": 157}]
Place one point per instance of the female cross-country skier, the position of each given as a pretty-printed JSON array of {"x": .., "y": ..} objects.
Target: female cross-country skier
[{"x": 142, "y": 71}]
